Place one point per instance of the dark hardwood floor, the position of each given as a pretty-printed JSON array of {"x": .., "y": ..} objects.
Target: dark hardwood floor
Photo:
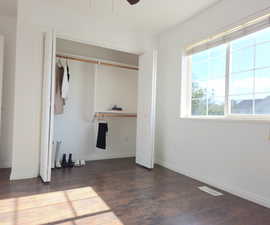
[{"x": 117, "y": 192}]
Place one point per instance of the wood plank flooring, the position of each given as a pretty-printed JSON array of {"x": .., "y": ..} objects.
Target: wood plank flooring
[{"x": 117, "y": 192}]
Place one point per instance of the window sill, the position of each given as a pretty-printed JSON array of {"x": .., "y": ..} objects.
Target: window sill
[{"x": 228, "y": 119}]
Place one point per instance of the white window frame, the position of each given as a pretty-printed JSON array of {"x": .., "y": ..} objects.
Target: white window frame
[{"x": 186, "y": 87}]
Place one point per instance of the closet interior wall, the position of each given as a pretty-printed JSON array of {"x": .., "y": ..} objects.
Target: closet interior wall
[{"x": 95, "y": 88}]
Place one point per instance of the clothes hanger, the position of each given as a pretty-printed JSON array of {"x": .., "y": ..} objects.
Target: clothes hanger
[
  {"x": 59, "y": 63},
  {"x": 67, "y": 67},
  {"x": 101, "y": 120}
]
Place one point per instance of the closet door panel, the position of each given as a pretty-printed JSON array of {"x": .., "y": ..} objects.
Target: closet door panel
[
  {"x": 1, "y": 74},
  {"x": 146, "y": 110},
  {"x": 47, "y": 107}
]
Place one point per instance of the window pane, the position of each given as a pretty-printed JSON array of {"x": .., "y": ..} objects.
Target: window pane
[
  {"x": 241, "y": 83},
  {"x": 263, "y": 55},
  {"x": 218, "y": 51},
  {"x": 199, "y": 107},
  {"x": 199, "y": 89},
  {"x": 200, "y": 56},
  {"x": 262, "y": 80},
  {"x": 242, "y": 60},
  {"x": 216, "y": 87},
  {"x": 241, "y": 104},
  {"x": 208, "y": 81},
  {"x": 243, "y": 42},
  {"x": 217, "y": 67},
  {"x": 262, "y": 103},
  {"x": 200, "y": 70},
  {"x": 263, "y": 36},
  {"x": 216, "y": 106}
]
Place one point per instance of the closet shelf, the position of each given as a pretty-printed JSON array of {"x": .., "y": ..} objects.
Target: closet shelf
[{"x": 114, "y": 114}]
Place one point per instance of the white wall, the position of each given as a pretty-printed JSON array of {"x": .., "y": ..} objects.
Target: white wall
[
  {"x": 8, "y": 30},
  {"x": 75, "y": 127},
  {"x": 231, "y": 155},
  {"x": 116, "y": 86},
  {"x": 2, "y": 46},
  {"x": 92, "y": 51}
]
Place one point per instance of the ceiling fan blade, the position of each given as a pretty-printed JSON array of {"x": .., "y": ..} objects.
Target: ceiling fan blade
[{"x": 133, "y": 2}]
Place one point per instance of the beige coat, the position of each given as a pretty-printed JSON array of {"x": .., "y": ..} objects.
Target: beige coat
[{"x": 58, "y": 101}]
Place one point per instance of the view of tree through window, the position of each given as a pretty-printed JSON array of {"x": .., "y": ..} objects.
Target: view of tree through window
[
  {"x": 248, "y": 77},
  {"x": 208, "y": 81}
]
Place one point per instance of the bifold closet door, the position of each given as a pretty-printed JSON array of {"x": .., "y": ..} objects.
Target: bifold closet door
[
  {"x": 1, "y": 74},
  {"x": 47, "y": 107},
  {"x": 146, "y": 110}
]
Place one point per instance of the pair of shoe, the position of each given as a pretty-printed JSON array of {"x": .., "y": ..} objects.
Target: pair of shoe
[
  {"x": 65, "y": 163},
  {"x": 79, "y": 163},
  {"x": 58, "y": 165}
]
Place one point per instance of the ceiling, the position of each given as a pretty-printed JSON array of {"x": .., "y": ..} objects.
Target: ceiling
[
  {"x": 148, "y": 15},
  {"x": 8, "y": 7},
  {"x": 108, "y": 23}
]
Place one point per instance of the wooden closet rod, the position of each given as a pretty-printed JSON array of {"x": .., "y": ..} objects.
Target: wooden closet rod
[{"x": 97, "y": 62}]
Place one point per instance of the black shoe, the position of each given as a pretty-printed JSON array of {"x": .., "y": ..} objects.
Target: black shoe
[
  {"x": 64, "y": 163},
  {"x": 70, "y": 162}
]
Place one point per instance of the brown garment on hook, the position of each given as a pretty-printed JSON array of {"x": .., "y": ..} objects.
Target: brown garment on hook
[{"x": 58, "y": 101}]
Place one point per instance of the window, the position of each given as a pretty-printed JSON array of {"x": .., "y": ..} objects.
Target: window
[
  {"x": 232, "y": 79},
  {"x": 208, "y": 82}
]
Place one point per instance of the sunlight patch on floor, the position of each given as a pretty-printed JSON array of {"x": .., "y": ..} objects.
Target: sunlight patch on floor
[{"x": 75, "y": 206}]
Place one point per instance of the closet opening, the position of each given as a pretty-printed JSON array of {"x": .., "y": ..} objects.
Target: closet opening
[{"x": 97, "y": 105}]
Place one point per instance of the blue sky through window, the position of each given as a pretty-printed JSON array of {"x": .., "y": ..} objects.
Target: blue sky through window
[{"x": 249, "y": 78}]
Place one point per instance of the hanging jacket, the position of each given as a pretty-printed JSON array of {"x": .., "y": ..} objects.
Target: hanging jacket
[
  {"x": 65, "y": 83},
  {"x": 58, "y": 101}
]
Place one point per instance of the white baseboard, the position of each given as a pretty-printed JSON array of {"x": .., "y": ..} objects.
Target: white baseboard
[
  {"x": 20, "y": 175},
  {"x": 228, "y": 188},
  {"x": 108, "y": 156}
]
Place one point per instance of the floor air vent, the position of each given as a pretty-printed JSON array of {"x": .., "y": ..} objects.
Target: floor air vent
[{"x": 210, "y": 191}]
